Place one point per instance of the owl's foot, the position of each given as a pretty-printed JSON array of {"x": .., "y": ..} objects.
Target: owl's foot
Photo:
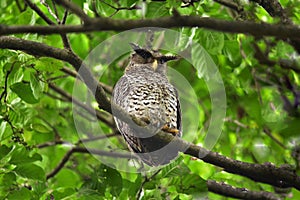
[
  {"x": 173, "y": 131},
  {"x": 143, "y": 121}
]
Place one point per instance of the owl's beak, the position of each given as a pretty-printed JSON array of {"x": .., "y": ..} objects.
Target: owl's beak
[{"x": 155, "y": 64}]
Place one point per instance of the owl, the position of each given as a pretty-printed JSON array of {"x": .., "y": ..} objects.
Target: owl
[{"x": 145, "y": 93}]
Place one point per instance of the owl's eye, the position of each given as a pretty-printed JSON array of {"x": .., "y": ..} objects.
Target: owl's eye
[{"x": 164, "y": 59}]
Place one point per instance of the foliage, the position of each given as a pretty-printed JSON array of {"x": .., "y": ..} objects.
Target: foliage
[{"x": 260, "y": 75}]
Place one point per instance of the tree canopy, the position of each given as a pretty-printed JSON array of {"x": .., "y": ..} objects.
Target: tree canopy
[{"x": 238, "y": 77}]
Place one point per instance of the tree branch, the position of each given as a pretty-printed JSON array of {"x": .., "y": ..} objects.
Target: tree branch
[
  {"x": 240, "y": 193},
  {"x": 84, "y": 150},
  {"x": 74, "y": 74},
  {"x": 107, "y": 24},
  {"x": 40, "y": 49},
  {"x": 89, "y": 109}
]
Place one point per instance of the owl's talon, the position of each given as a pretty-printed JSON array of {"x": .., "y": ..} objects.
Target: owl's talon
[
  {"x": 173, "y": 131},
  {"x": 143, "y": 121}
]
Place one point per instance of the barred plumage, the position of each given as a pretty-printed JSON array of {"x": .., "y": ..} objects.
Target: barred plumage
[{"x": 146, "y": 94}]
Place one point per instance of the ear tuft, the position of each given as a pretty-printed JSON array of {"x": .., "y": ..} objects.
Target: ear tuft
[{"x": 140, "y": 51}]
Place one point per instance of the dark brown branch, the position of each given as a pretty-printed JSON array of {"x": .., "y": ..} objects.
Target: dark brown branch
[
  {"x": 84, "y": 150},
  {"x": 240, "y": 193},
  {"x": 265, "y": 173},
  {"x": 39, "y": 12},
  {"x": 107, "y": 24},
  {"x": 40, "y": 49}
]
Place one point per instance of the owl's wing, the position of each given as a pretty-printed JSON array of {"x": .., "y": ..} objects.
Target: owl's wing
[
  {"x": 121, "y": 90},
  {"x": 179, "y": 124},
  {"x": 120, "y": 94}
]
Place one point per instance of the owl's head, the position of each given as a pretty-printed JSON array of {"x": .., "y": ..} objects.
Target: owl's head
[{"x": 146, "y": 57}]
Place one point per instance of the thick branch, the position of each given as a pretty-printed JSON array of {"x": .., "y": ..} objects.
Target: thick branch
[
  {"x": 240, "y": 193},
  {"x": 106, "y": 24},
  {"x": 40, "y": 49},
  {"x": 265, "y": 173}
]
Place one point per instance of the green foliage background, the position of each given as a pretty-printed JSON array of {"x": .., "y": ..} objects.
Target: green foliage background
[{"x": 259, "y": 126}]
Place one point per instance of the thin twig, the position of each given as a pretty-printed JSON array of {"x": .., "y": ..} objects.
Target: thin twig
[
  {"x": 39, "y": 12},
  {"x": 75, "y": 9},
  {"x": 89, "y": 109},
  {"x": 74, "y": 74},
  {"x": 144, "y": 182},
  {"x": 89, "y": 151}
]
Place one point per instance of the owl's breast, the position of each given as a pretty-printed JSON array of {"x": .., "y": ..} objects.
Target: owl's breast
[{"x": 153, "y": 99}]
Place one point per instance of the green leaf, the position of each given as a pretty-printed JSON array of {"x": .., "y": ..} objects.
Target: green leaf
[
  {"x": 177, "y": 168},
  {"x": 31, "y": 171},
  {"x": 41, "y": 128},
  {"x": 64, "y": 193},
  {"x": 23, "y": 90},
  {"x": 21, "y": 156},
  {"x": 37, "y": 86},
  {"x": 232, "y": 51},
  {"x": 67, "y": 178},
  {"x": 48, "y": 64},
  {"x": 156, "y": 9},
  {"x": 112, "y": 178},
  {"x": 15, "y": 72},
  {"x": 290, "y": 128},
  {"x": 26, "y": 17},
  {"x": 132, "y": 187},
  {"x": 105, "y": 9},
  {"x": 4, "y": 150},
  {"x": 253, "y": 107},
  {"x": 7, "y": 179},
  {"x": 2, "y": 129},
  {"x": 189, "y": 184},
  {"x": 22, "y": 193},
  {"x": 174, "y": 3},
  {"x": 212, "y": 41},
  {"x": 202, "y": 61}
]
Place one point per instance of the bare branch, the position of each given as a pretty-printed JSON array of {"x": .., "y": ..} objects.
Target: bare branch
[
  {"x": 89, "y": 109},
  {"x": 40, "y": 49},
  {"x": 240, "y": 193},
  {"x": 107, "y": 24},
  {"x": 39, "y": 12},
  {"x": 84, "y": 150}
]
